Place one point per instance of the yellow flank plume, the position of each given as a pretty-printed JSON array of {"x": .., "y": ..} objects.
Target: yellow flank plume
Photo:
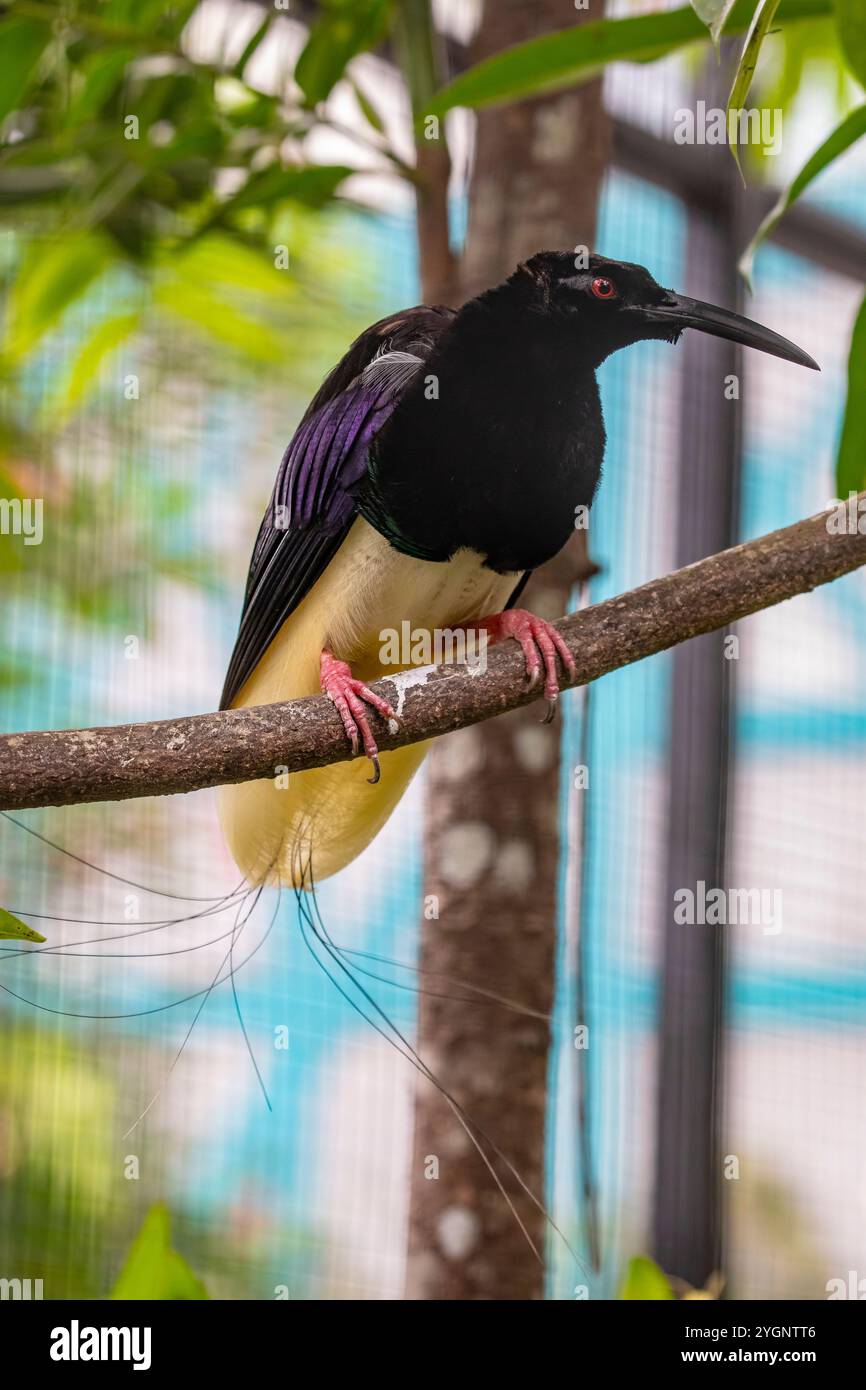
[{"x": 278, "y": 829}]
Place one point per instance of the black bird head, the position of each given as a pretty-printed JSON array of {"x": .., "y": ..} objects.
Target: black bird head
[{"x": 619, "y": 303}]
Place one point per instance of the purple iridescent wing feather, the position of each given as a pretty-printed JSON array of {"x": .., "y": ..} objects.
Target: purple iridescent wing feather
[{"x": 312, "y": 506}]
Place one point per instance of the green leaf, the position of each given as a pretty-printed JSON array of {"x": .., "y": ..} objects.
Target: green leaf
[
  {"x": 644, "y": 1280},
  {"x": 312, "y": 186},
  {"x": 53, "y": 275},
  {"x": 845, "y": 135},
  {"x": 758, "y": 30},
  {"x": 346, "y": 28},
  {"x": 368, "y": 110},
  {"x": 154, "y": 1271},
  {"x": 572, "y": 56},
  {"x": 851, "y": 456},
  {"x": 12, "y": 928},
  {"x": 714, "y": 14},
  {"x": 219, "y": 320},
  {"x": 250, "y": 48},
  {"x": 22, "y": 42},
  {"x": 173, "y": 18},
  {"x": 103, "y": 72},
  {"x": 851, "y": 26},
  {"x": 147, "y": 16},
  {"x": 221, "y": 260},
  {"x": 802, "y": 46},
  {"x": 102, "y": 342}
]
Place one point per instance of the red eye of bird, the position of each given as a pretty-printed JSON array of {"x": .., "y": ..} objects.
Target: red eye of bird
[{"x": 603, "y": 288}]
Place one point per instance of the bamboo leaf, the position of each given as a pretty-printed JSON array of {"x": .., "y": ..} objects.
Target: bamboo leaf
[
  {"x": 258, "y": 36},
  {"x": 154, "y": 1271},
  {"x": 852, "y": 129},
  {"x": 313, "y": 186},
  {"x": 103, "y": 73},
  {"x": 758, "y": 30},
  {"x": 644, "y": 1280},
  {"x": 368, "y": 110},
  {"x": 13, "y": 929},
  {"x": 851, "y": 455},
  {"x": 23, "y": 42},
  {"x": 572, "y": 56},
  {"x": 714, "y": 14},
  {"x": 346, "y": 28},
  {"x": 851, "y": 27},
  {"x": 53, "y": 275},
  {"x": 85, "y": 368},
  {"x": 222, "y": 260},
  {"x": 220, "y": 320}
]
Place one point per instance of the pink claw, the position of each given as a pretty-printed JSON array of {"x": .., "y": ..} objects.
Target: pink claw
[
  {"x": 540, "y": 642},
  {"x": 350, "y": 695}
]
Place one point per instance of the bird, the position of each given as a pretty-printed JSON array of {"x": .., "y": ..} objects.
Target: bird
[{"x": 444, "y": 459}]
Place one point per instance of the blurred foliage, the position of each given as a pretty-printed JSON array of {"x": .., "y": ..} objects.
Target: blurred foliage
[
  {"x": 572, "y": 56},
  {"x": 72, "y": 1217},
  {"x": 119, "y": 148},
  {"x": 152, "y": 1269},
  {"x": 56, "y": 1104},
  {"x": 851, "y": 24},
  {"x": 114, "y": 128},
  {"x": 644, "y": 1280},
  {"x": 163, "y": 227},
  {"x": 158, "y": 279},
  {"x": 805, "y": 57},
  {"x": 129, "y": 144},
  {"x": 845, "y": 135},
  {"x": 344, "y": 28}
]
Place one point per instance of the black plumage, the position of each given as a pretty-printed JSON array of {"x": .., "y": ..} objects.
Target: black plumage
[
  {"x": 313, "y": 503},
  {"x": 480, "y": 429}
]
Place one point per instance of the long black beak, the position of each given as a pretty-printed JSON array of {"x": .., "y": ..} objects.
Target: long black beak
[{"x": 682, "y": 312}]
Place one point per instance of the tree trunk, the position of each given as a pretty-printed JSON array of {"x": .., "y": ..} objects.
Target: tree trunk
[{"x": 492, "y": 842}]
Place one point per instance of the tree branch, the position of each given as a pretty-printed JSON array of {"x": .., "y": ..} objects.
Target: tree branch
[{"x": 66, "y": 767}]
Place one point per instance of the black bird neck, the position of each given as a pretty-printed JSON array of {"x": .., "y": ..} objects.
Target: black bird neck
[
  {"x": 498, "y": 442},
  {"x": 579, "y": 338}
]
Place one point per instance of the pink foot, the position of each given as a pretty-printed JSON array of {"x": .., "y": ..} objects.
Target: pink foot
[
  {"x": 540, "y": 642},
  {"x": 350, "y": 696}
]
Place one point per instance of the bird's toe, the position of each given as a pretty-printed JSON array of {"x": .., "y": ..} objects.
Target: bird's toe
[{"x": 352, "y": 699}]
